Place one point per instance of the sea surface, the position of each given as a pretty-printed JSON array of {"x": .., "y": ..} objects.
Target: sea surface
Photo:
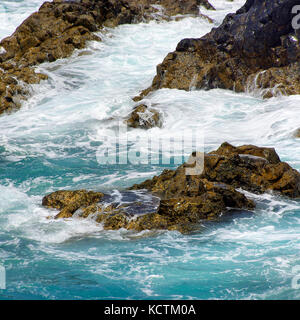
[{"x": 55, "y": 141}]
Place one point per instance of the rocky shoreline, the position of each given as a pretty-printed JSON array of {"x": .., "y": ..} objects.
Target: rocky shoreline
[
  {"x": 186, "y": 200},
  {"x": 59, "y": 27},
  {"x": 269, "y": 60},
  {"x": 254, "y": 49}
]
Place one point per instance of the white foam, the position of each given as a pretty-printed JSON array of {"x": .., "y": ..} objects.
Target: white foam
[
  {"x": 84, "y": 99},
  {"x": 12, "y": 14}
]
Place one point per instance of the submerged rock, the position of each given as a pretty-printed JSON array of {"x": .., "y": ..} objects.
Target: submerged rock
[
  {"x": 59, "y": 27},
  {"x": 186, "y": 200},
  {"x": 255, "y": 48},
  {"x": 144, "y": 118}
]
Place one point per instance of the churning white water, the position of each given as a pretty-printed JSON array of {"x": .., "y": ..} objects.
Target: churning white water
[{"x": 53, "y": 141}]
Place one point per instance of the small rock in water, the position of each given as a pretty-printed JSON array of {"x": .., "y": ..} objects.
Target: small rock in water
[
  {"x": 297, "y": 133},
  {"x": 144, "y": 118}
]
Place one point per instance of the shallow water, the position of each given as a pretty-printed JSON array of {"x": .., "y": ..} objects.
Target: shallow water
[{"x": 53, "y": 142}]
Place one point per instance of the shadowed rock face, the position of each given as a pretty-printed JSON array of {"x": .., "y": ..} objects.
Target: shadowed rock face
[
  {"x": 255, "y": 48},
  {"x": 181, "y": 211},
  {"x": 186, "y": 200},
  {"x": 60, "y": 27}
]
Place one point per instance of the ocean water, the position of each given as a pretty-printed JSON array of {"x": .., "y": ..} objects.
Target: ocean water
[{"x": 54, "y": 142}]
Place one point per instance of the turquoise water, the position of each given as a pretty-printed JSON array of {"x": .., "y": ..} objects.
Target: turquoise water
[{"x": 53, "y": 141}]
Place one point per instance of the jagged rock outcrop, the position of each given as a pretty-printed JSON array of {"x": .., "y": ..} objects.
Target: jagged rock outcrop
[
  {"x": 60, "y": 27},
  {"x": 248, "y": 167},
  {"x": 185, "y": 200},
  {"x": 255, "y": 48}
]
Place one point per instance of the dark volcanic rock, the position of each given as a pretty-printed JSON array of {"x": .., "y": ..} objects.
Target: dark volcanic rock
[
  {"x": 60, "y": 27},
  {"x": 185, "y": 200},
  {"x": 255, "y": 48}
]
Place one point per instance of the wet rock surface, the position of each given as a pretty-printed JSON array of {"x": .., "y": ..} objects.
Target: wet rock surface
[
  {"x": 255, "y": 48},
  {"x": 144, "y": 117},
  {"x": 60, "y": 27},
  {"x": 185, "y": 200},
  {"x": 70, "y": 201}
]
